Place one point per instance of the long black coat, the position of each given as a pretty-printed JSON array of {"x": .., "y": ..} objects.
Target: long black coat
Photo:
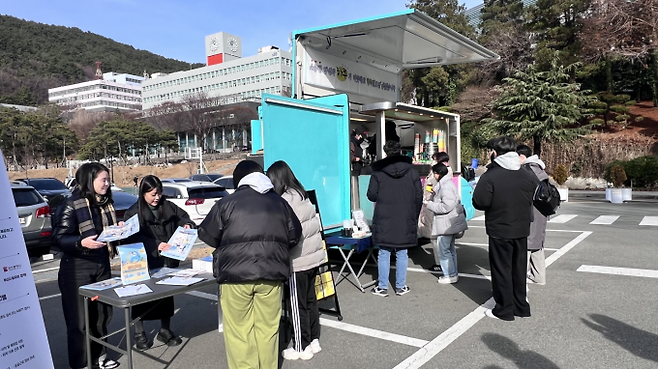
[
  {"x": 151, "y": 233},
  {"x": 396, "y": 189}
]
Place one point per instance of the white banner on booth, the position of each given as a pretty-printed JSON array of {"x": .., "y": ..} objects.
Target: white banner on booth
[
  {"x": 345, "y": 76},
  {"x": 23, "y": 340}
]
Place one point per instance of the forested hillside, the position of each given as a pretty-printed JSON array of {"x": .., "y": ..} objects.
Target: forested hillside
[{"x": 35, "y": 57}]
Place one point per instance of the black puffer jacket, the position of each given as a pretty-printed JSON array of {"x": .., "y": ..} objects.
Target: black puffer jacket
[
  {"x": 252, "y": 234},
  {"x": 505, "y": 195},
  {"x": 154, "y": 231},
  {"x": 396, "y": 189},
  {"x": 66, "y": 234}
]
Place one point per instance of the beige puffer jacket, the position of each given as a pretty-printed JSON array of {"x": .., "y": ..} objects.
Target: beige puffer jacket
[{"x": 309, "y": 252}]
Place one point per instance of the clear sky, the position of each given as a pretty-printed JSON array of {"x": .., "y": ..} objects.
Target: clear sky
[{"x": 177, "y": 28}]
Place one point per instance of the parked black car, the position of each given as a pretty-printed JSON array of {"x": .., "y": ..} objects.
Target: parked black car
[
  {"x": 47, "y": 187},
  {"x": 208, "y": 177}
]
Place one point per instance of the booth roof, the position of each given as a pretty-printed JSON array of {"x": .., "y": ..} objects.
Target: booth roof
[{"x": 404, "y": 40}]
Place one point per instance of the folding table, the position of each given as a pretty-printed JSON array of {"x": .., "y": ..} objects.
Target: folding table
[
  {"x": 110, "y": 297},
  {"x": 352, "y": 245}
]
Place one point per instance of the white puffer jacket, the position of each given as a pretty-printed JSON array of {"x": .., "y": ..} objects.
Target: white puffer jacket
[
  {"x": 308, "y": 253},
  {"x": 449, "y": 217}
]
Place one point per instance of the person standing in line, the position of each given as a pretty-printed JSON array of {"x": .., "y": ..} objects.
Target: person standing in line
[
  {"x": 536, "y": 258},
  {"x": 252, "y": 231},
  {"x": 449, "y": 219},
  {"x": 306, "y": 257},
  {"x": 505, "y": 193},
  {"x": 426, "y": 218},
  {"x": 158, "y": 221},
  {"x": 356, "y": 151},
  {"x": 78, "y": 223},
  {"x": 396, "y": 189}
]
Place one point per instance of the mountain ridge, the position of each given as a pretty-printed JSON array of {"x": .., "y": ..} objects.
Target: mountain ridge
[{"x": 37, "y": 56}]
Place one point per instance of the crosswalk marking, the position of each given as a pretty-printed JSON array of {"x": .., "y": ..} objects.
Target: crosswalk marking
[
  {"x": 600, "y": 220},
  {"x": 631, "y": 272},
  {"x": 605, "y": 219},
  {"x": 562, "y": 218},
  {"x": 650, "y": 221}
]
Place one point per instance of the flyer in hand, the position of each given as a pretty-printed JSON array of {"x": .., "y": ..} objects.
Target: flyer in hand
[
  {"x": 134, "y": 267},
  {"x": 116, "y": 233},
  {"x": 181, "y": 244}
]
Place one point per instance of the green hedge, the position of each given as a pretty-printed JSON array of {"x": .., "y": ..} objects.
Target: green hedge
[{"x": 641, "y": 172}]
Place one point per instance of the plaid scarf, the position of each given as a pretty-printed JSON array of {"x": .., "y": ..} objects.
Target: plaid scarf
[{"x": 85, "y": 219}]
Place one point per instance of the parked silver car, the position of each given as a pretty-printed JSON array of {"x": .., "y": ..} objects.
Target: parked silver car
[{"x": 34, "y": 217}]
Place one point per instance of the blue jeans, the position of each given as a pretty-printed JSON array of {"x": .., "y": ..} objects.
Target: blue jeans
[
  {"x": 384, "y": 266},
  {"x": 447, "y": 254}
]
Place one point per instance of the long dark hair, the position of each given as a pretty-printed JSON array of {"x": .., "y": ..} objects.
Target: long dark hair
[
  {"x": 85, "y": 176},
  {"x": 440, "y": 169},
  {"x": 148, "y": 184},
  {"x": 283, "y": 179}
]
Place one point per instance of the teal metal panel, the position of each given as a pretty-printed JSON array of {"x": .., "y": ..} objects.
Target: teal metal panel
[
  {"x": 312, "y": 136},
  {"x": 256, "y": 138}
]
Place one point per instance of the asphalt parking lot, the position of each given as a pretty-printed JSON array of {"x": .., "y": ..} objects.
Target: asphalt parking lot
[{"x": 596, "y": 310}]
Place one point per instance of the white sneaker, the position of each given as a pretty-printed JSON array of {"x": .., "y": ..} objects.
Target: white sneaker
[
  {"x": 290, "y": 354},
  {"x": 307, "y": 354},
  {"x": 448, "y": 280},
  {"x": 315, "y": 346},
  {"x": 490, "y": 314}
]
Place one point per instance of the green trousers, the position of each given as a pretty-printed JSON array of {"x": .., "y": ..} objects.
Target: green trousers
[{"x": 252, "y": 313}]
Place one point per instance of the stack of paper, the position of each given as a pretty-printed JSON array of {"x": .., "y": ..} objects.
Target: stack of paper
[
  {"x": 179, "y": 281},
  {"x": 132, "y": 290}
]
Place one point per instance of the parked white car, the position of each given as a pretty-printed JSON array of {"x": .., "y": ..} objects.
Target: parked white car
[
  {"x": 196, "y": 198},
  {"x": 226, "y": 182}
]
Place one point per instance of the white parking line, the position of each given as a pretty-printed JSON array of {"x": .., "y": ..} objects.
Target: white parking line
[
  {"x": 564, "y": 249},
  {"x": 562, "y": 218},
  {"x": 630, "y": 272},
  {"x": 434, "y": 347},
  {"x": 49, "y": 297},
  {"x": 481, "y": 217},
  {"x": 410, "y": 341},
  {"x": 376, "y": 333},
  {"x": 650, "y": 221},
  {"x": 605, "y": 219}
]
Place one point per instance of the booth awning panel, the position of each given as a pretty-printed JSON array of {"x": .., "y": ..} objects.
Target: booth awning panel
[{"x": 405, "y": 40}]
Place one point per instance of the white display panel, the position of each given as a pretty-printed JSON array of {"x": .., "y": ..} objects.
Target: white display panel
[
  {"x": 23, "y": 340},
  {"x": 345, "y": 76}
]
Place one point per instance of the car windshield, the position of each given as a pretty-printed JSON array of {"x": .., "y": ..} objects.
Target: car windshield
[
  {"x": 214, "y": 176},
  {"x": 46, "y": 184},
  {"x": 26, "y": 197},
  {"x": 206, "y": 193}
]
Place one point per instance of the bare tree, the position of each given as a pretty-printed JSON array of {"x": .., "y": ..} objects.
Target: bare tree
[
  {"x": 475, "y": 103},
  {"x": 83, "y": 121}
]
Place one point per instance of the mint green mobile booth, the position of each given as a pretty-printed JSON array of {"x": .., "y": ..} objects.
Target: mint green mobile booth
[{"x": 348, "y": 75}]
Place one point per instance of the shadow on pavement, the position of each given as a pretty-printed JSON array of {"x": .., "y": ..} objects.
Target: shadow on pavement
[
  {"x": 508, "y": 349},
  {"x": 636, "y": 341}
]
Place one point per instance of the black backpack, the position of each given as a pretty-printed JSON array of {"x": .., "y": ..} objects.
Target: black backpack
[{"x": 546, "y": 198}]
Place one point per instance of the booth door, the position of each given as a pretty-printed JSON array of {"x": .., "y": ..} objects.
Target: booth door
[{"x": 312, "y": 136}]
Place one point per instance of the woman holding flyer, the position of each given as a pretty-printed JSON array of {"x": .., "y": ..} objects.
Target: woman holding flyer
[
  {"x": 76, "y": 226},
  {"x": 158, "y": 221},
  {"x": 306, "y": 257}
]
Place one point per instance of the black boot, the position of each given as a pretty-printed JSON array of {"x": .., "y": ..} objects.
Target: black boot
[
  {"x": 168, "y": 338},
  {"x": 141, "y": 342}
]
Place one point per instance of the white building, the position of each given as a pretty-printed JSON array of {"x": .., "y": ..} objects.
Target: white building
[
  {"x": 115, "y": 91},
  {"x": 227, "y": 74}
]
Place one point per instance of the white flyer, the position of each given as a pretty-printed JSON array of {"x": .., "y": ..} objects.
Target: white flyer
[
  {"x": 116, "y": 233},
  {"x": 181, "y": 244},
  {"x": 23, "y": 339}
]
